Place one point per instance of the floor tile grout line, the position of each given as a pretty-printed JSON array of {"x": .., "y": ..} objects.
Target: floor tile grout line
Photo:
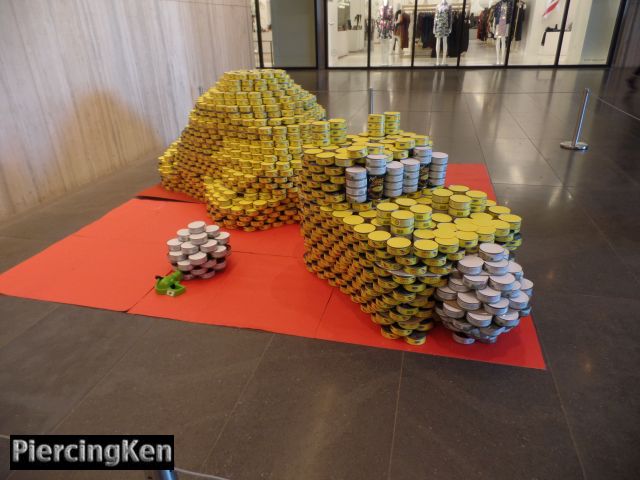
[
  {"x": 607, "y": 240},
  {"x": 564, "y": 413},
  {"x": 101, "y": 379},
  {"x": 235, "y": 406},
  {"x": 324, "y": 311},
  {"x": 45, "y": 314},
  {"x": 530, "y": 139},
  {"x": 395, "y": 416}
]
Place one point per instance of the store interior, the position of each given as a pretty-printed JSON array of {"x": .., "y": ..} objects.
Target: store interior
[{"x": 476, "y": 36}]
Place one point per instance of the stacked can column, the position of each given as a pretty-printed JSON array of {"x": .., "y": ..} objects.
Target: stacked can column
[{"x": 438, "y": 169}]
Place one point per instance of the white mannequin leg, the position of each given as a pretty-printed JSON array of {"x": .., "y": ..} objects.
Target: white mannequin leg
[
  {"x": 438, "y": 40},
  {"x": 444, "y": 51},
  {"x": 498, "y": 41}
]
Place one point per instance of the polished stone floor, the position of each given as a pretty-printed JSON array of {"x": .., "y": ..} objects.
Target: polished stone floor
[{"x": 246, "y": 404}]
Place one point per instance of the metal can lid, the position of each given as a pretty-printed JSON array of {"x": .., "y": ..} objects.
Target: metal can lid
[
  {"x": 425, "y": 245},
  {"x": 364, "y": 228},
  {"x": 446, "y": 241},
  {"x": 422, "y": 234},
  {"x": 441, "y": 218},
  {"x": 402, "y": 215},
  {"x": 471, "y": 262},
  {"x": 499, "y": 210},
  {"x": 420, "y": 209},
  {"x": 379, "y": 236},
  {"x": 458, "y": 188},
  {"x": 353, "y": 220},
  {"x": 397, "y": 242},
  {"x": 387, "y": 206}
]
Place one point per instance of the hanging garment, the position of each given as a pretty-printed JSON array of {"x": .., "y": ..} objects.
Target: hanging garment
[
  {"x": 522, "y": 7},
  {"x": 426, "y": 36},
  {"x": 502, "y": 27},
  {"x": 385, "y": 22},
  {"x": 442, "y": 21},
  {"x": 503, "y": 10},
  {"x": 403, "y": 30}
]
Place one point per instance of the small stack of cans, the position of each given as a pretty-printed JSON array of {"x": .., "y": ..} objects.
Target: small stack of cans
[
  {"x": 394, "y": 180},
  {"x": 391, "y": 123},
  {"x": 199, "y": 251},
  {"x": 242, "y": 149},
  {"x": 423, "y": 155},
  {"x": 485, "y": 296},
  {"x": 411, "y": 175},
  {"x": 375, "y": 125},
  {"x": 438, "y": 169},
  {"x": 338, "y": 131}
]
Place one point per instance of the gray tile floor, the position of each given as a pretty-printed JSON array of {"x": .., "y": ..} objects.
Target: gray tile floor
[{"x": 246, "y": 404}]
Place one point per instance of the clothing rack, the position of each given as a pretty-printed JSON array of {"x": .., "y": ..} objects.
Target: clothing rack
[{"x": 409, "y": 8}]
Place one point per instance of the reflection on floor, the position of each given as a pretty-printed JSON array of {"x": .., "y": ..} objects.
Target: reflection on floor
[{"x": 246, "y": 404}]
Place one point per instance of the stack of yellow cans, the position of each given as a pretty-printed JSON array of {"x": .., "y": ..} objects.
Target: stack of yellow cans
[
  {"x": 388, "y": 254},
  {"x": 242, "y": 149},
  {"x": 375, "y": 125}
]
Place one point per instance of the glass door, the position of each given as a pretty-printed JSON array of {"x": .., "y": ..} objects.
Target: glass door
[
  {"x": 286, "y": 33},
  {"x": 347, "y": 32}
]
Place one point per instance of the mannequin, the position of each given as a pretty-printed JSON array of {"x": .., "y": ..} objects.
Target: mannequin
[
  {"x": 385, "y": 26},
  {"x": 503, "y": 17},
  {"x": 441, "y": 30}
]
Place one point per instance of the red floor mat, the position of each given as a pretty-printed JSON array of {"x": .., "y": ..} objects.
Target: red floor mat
[
  {"x": 111, "y": 264},
  {"x": 141, "y": 220},
  {"x": 263, "y": 292},
  {"x": 157, "y": 192},
  {"x": 92, "y": 272},
  {"x": 344, "y": 322}
]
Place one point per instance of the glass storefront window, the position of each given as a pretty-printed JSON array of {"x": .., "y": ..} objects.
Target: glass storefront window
[
  {"x": 347, "y": 22},
  {"x": 393, "y": 33},
  {"x": 534, "y": 35},
  {"x": 437, "y": 33},
  {"x": 589, "y": 31}
]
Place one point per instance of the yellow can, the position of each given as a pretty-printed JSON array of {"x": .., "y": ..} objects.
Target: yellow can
[
  {"x": 459, "y": 255},
  {"x": 447, "y": 244},
  {"x": 458, "y": 189},
  {"x": 502, "y": 228},
  {"x": 363, "y": 230},
  {"x": 421, "y": 234},
  {"x": 378, "y": 239},
  {"x": 415, "y": 269},
  {"x": 467, "y": 239},
  {"x": 401, "y": 231},
  {"x": 402, "y": 218},
  {"x": 403, "y": 279},
  {"x": 405, "y": 203},
  {"x": 486, "y": 234},
  {"x": 459, "y": 202},
  {"x": 497, "y": 210},
  {"x": 441, "y": 218},
  {"x": 385, "y": 209},
  {"x": 441, "y": 195},
  {"x": 421, "y": 212},
  {"x": 398, "y": 246},
  {"x": 425, "y": 248},
  {"x": 514, "y": 221}
]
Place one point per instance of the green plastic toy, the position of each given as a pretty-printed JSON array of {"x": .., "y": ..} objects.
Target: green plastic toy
[{"x": 170, "y": 285}]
